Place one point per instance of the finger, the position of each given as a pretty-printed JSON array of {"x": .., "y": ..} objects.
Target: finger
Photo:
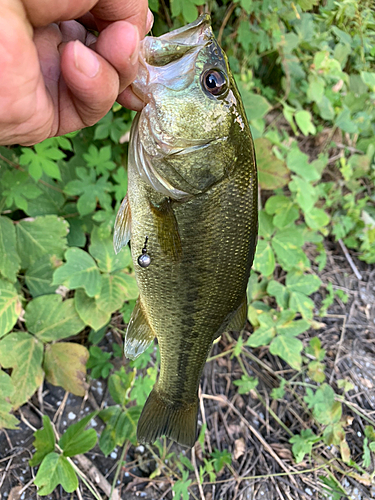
[
  {"x": 89, "y": 89},
  {"x": 129, "y": 100},
  {"x": 133, "y": 11},
  {"x": 43, "y": 12},
  {"x": 119, "y": 45}
]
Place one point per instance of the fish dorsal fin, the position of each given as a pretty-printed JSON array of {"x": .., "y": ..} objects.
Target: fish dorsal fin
[
  {"x": 122, "y": 232},
  {"x": 167, "y": 229},
  {"x": 139, "y": 334},
  {"x": 239, "y": 318}
]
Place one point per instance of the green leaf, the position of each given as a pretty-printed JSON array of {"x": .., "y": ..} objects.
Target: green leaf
[
  {"x": 80, "y": 271},
  {"x": 18, "y": 188},
  {"x": 266, "y": 227},
  {"x": 102, "y": 250},
  {"x": 55, "y": 470},
  {"x": 264, "y": 334},
  {"x": 289, "y": 349},
  {"x": 287, "y": 244},
  {"x": 221, "y": 458},
  {"x": 296, "y": 281},
  {"x": 292, "y": 328},
  {"x": 49, "y": 202},
  {"x": 255, "y": 105},
  {"x": 44, "y": 442},
  {"x": 41, "y": 159},
  {"x": 325, "y": 409},
  {"x": 50, "y": 319},
  {"x": 41, "y": 236},
  {"x": 273, "y": 173},
  {"x": 280, "y": 292},
  {"x": 279, "y": 392},
  {"x": 368, "y": 79},
  {"x": 99, "y": 159},
  {"x": 299, "y": 302},
  {"x": 10, "y": 307},
  {"x": 89, "y": 312},
  {"x": 317, "y": 218},
  {"x": 306, "y": 196},
  {"x": 180, "y": 487},
  {"x": 264, "y": 260},
  {"x": 120, "y": 384},
  {"x": 316, "y": 371},
  {"x": 23, "y": 353},
  {"x": 99, "y": 363},
  {"x": 9, "y": 259},
  {"x": 304, "y": 121},
  {"x": 7, "y": 420},
  {"x": 285, "y": 209},
  {"x": 246, "y": 384},
  {"x": 76, "y": 440},
  {"x": 303, "y": 443},
  {"x": 65, "y": 365},
  {"x": 39, "y": 276},
  {"x": 298, "y": 163}
]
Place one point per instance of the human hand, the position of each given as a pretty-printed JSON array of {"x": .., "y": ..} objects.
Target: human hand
[{"x": 55, "y": 75}]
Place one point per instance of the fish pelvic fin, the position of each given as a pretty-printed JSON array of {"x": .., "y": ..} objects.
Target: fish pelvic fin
[
  {"x": 122, "y": 232},
  {"x": 163, "y": 418},
  {"x": 139, "y": 334}
]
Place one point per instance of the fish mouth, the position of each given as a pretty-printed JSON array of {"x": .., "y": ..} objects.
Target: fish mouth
[{"x": 169, "y": 60}]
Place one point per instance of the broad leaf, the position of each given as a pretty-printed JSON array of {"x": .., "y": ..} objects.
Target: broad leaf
[
  {"x": 7, "y": 420},
  {"x": 39, "y": 276},
  {"x": 273, "y": 173},
  {"x": 264, "y": 334},
  {"x": 304, "y": 283},
  {"x": 255, "y": 105},
  {"x": 65, "y": 365},
  {"x": 49, "y": 318},
  {"x": 40, "y": 236},
  {"x": 9, "y": 259},
  {"x": 80, "y": 271},
  {"x": 301, "y": 303},
  {"x": 44, "y": 442},
  {"x": 10, "y": 307},
  {"x": 89, "y": 312},
  {"x": 289, "y": 349},
  {"x": 120, "y": 384},
  {"x": 264, "y": 260},
  {"x": 55, "y": 470},
  {"x": 298, "y": 162},
  {"x": 116, "y": 289},
  {"x": 23, "y": 353},
  {"x": 76, "y": 440},
  {"x": 102, "y": 250}
]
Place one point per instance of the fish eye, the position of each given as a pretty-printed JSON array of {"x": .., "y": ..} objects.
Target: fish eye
[{"x": 214, "y": 82}]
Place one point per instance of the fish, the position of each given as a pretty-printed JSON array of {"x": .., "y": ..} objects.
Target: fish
[{"x": 190, "y": 215}]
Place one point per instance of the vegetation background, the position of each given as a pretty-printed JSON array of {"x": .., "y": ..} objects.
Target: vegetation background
[{"x": 288, "y": 406}]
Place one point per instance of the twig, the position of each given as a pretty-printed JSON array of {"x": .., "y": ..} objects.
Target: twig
[
  {"x": 117, "y": 473},
  {"x": 349, "y": 259},
  {"x": 229, "y": 12},
  {"x": 339, "y": 347},
  {"x": 194, "y": 462}
]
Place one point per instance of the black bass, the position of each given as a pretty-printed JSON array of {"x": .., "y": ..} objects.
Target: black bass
[{"x": 190, "y": 215}]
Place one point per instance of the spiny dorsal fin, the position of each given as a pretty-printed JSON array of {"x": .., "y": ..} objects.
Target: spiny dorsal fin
[
  {"x": 238, "y": 321},
  {"x": 122, "y": 230},
  {"x": 167, "y": 229},
  {"x": 139, "y": 334}
]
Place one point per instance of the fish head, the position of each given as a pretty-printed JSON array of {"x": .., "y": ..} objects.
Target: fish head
[{"x": 192, "y": 110}]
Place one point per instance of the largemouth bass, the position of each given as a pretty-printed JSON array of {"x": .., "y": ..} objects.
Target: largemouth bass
[{"x": 191, "y": 216}]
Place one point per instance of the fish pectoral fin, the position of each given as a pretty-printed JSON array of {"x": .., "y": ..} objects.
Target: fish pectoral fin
[
  {"x": 239, "y": 318},
  {"x": 122, "y": 232},
  {"x": 167, "y": 229},
  {"x": 164, "y": 418},
  {"x": 139, "y": 334}
]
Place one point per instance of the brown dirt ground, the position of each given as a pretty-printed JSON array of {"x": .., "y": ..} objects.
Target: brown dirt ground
[{"x": 241, "y": 424}]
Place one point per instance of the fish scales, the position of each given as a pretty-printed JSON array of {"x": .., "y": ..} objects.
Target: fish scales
[{"x": 201, "y": 246}]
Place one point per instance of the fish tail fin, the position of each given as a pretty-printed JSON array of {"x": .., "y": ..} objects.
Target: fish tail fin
[{"x": 159, "y": 418}]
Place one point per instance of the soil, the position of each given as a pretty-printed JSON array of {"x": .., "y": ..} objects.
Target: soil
[{"x": 242, "y": 424}]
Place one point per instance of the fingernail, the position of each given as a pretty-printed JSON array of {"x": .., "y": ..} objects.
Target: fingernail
[
  {"x": 134, "y": 56},
  {"x": 149, "y": 20},
  {"x": 85, "y": 60}
]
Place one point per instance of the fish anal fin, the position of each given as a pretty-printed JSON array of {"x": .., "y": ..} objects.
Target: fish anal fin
[
  {"x": 139, "y": 334},
  {"x": 160, "y": 417},
  {"x": 238, "y": 321},
  {"x": 122, "y": 232},
  {"x": 167, "y": 229}
]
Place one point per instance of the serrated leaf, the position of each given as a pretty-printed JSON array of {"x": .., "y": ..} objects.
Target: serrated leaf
[
  {"x": 23, "y": 353},
  {"x": 76, "y": 440},
  {"x": 80, "y": 271},
  {"x": 273, "y": 172},
  {"x": 7, "y": 420},
  {"x": 39, "y": 276},
  {"x": 41, "y": 236},
  {"x": 54, "y": 470},
  {"x": 120, "y": 384},
  {"x": 264, "y": 260},
  {"x": 9, "y": 259},
  {"x": 10, "y": 307},
  {"x": 289, "y": 349},
  {"x": 102, "y": 250},
  {"x": 18, "y": 188},
  {"x": 51, "y": 319},
  {"x": 304, "y": 283},
  {"x": 89, "y": 311},
  {"x": 44, "y": 442},
  {"x": 65, "y": 366},
  {"x": 246, "y": 384},
  {"x": 303, "y": 443}
]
